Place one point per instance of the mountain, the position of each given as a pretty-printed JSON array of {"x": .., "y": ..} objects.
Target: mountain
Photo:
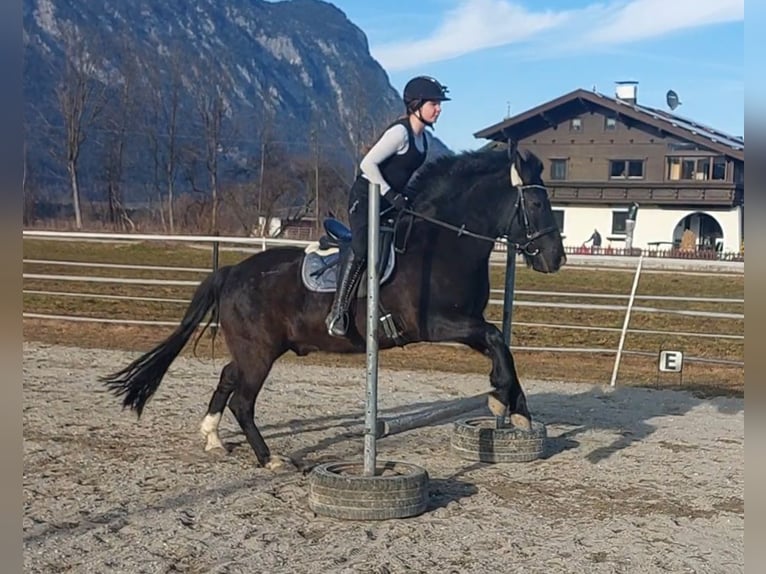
[{"x": 205, "y": 80}]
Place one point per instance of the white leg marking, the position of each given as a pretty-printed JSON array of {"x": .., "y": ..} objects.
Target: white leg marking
[{"x": 209, "y": 430}]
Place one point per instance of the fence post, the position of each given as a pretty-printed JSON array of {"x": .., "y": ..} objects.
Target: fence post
[
  {"x": 214, "y": 319},
  {"x": 627, "y": 320},
  {"x": 510, "y": 280}
]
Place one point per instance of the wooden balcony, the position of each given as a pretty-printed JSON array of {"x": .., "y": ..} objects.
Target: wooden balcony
[{"x": 721, "y": 194}]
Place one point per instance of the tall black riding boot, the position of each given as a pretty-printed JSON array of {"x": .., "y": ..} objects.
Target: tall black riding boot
[{"x": 352, "y": 269}]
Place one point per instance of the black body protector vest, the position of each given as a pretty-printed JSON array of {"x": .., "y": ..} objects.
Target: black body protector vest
[{"x": 398, "y": 169}]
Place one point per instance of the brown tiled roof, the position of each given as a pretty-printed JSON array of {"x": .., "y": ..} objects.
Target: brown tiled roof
[{"x": 574, "y": 103}]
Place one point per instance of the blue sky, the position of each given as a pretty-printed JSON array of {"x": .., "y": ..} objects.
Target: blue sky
[{"x": 496, "y": 55}]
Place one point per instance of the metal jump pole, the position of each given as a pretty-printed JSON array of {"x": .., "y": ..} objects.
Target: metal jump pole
[
  {"x": 374, "y": 428},
  {"x": 510, "y": 262},
  {"x": 510, "y": 280},
  {"x": 373, "y": 288}
]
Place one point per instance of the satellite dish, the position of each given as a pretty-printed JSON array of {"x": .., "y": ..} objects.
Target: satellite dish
[{"x": 672, "y": 99}]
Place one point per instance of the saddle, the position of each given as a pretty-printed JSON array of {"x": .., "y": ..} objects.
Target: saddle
[{"x": 322, "y": 258}]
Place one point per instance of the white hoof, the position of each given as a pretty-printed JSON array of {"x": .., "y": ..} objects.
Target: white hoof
[
  {"x": 277, "y": 463},
  {"x": 521, "y": 422},
  {"x": 209, "y": 431},
  {"x": 495, "y": 406},
  {"x": 213, "y": 443}
]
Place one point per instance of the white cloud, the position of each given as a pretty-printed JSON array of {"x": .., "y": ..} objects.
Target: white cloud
[
  {"x": 641, "y": 19},
  {"x": 475, "y": 25}
]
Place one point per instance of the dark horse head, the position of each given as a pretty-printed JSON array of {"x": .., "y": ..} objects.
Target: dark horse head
[
  {"x": 437, "y": 293},
  {"x": 487, "y": 194}
]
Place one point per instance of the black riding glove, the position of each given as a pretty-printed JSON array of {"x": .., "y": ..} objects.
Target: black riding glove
[{"x": 398, "y": 200}]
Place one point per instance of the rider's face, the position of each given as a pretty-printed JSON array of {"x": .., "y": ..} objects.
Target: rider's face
[{"x": 430, "y": 111}]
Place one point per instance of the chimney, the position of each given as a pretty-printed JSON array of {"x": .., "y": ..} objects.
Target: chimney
[{"x": 626, "y": 91}]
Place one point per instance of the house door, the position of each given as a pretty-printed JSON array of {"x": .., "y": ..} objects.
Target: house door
[{"x": 705, "y": 227}]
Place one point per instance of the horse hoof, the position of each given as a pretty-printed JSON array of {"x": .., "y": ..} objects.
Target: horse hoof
[
  {"x": 280, "y": 464},
  {"x": 216, "y": 448},
  {"x": 213, "y": 444},
  {"x": 496, "y": 407},
  {"x": 521, "y": 422}
]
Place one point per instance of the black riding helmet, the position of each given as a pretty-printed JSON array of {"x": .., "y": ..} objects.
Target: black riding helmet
[{"x": 422, "y": 89}]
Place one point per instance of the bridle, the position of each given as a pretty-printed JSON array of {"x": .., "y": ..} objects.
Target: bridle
[
  {"x": 520, "y": 210},
  {"x": 530, "y": 234}
]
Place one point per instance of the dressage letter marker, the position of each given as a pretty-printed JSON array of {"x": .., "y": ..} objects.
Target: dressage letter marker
[{"x": 671, "y": 361}]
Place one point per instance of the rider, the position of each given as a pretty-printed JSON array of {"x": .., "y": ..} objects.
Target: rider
[{"x": 390, "y": 162}]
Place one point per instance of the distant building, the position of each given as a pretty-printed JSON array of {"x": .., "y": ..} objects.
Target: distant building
[{"x": 603, "y": 153}]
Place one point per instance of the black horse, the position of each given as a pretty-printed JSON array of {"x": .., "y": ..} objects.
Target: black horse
[{"x": 437, "y": 292}]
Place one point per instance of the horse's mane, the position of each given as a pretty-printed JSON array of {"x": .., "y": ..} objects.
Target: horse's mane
[
  {"x": 441, "y": 184},
  {"x": 441, "y": 179}
]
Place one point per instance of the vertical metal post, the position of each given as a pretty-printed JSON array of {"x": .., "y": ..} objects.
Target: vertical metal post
[
  {"x": 260, "y": 181},
  {"x": 627, "y": 321},
  {"x": 373, "y": 286},
  {"x": 630, "y": 226},
  {"x": 214, "y": 319},
  {"x": 510, "y": 280},
  {"x": 215, "y": 252}
]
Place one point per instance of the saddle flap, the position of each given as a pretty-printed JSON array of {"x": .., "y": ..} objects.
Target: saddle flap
[{"x": 319, "y": 270}]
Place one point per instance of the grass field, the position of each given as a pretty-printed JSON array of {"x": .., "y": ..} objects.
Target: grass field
[{"x": 700, "y": 377}]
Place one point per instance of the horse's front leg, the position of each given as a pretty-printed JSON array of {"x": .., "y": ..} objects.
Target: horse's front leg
[{"x": 508, "y": 397}]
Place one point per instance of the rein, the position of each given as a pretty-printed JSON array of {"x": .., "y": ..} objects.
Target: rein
[{"x": 520, "y": 208}]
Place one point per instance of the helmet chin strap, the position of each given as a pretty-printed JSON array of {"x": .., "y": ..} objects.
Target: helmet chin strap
[{"x": 425, "y": 123}]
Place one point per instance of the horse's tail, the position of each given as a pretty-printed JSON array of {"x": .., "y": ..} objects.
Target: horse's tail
[{"x": 139, "y": 380}]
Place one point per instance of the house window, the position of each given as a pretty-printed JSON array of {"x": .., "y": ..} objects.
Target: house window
[
  {"x": 610, "y": 124},
  {"x": 618, "y": 222},
  {"x": 558, "y": 169},
  {"x": 695, "y": 168},
  {"x": 626, "y": 169},
  {"x": 575, "y": 125},
  {"x": 719, "y": 168},
  {"x": 558, "y": 215}
]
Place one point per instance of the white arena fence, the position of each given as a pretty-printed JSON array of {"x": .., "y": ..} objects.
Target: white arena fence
[{"x": 626, "y": 302}]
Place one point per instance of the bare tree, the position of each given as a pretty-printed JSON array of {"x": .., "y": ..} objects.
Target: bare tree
[
  {"x": 81, "y": 99},
  {"x": 279, "y": 189},
  {"x": 27, "y": 186},
  {"x": 363, "y": 129},
  {"x": 163, "y": 129},
  {"x": 208, "y": 97},
  {"x": 118, "y": 120}
]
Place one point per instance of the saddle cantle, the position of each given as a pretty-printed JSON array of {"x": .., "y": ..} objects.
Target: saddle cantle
[{"x": 319, "y": 269}]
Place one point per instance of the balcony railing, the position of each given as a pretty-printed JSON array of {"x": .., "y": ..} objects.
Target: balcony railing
[{"x": 675, "y": 192}]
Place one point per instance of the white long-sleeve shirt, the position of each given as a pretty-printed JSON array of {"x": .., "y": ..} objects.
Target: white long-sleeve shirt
[{"x": 393, "y": 141}]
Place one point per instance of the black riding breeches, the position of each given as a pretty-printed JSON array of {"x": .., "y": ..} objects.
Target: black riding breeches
[{"x": 357, "y": 215}]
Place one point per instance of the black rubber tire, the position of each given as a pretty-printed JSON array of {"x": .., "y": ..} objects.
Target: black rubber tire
[
  {"x": 342, "y": 490},
  {"x": 479, "y": 439}
]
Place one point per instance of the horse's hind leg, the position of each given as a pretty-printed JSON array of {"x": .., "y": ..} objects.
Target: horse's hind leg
[{"x": 209, "y": 427}]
